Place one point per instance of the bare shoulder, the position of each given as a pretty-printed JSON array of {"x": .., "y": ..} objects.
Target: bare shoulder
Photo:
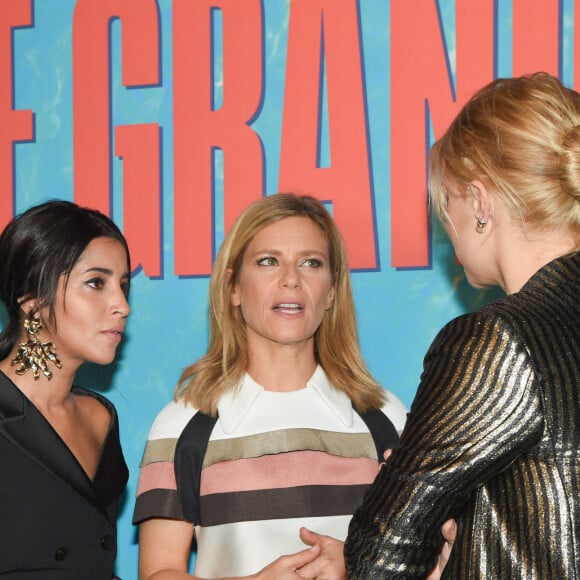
[{"x": 93, "y": 413}]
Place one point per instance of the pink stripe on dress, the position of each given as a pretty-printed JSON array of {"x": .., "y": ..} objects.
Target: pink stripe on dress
[
  {"x": 160, "y": 475},
  {"x": 287, "y": 470}
]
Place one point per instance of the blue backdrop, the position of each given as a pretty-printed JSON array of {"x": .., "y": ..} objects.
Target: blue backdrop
[{"x": 399, "y": 310}]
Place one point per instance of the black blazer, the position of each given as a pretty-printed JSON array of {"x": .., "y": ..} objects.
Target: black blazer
[{"x": 55, "y": 523}]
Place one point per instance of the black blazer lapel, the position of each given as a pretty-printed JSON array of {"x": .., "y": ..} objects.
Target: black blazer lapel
[
  {"x": 25, "y": 427},
  {"x": 112, "y": 472}
]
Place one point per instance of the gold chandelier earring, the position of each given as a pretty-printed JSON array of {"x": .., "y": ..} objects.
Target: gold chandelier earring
[{"x": 35, "y": 354}]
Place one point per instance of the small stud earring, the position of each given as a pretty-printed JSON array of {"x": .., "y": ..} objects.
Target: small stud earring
[{"x": 480, "y": 226}]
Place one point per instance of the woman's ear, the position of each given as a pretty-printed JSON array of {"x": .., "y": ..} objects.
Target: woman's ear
[
  {"x": 481, "y": 200},
  {"x": 235, "y": 298},
  {"x": 28, "y": 305},
  {"x": 331, "y": 297}
]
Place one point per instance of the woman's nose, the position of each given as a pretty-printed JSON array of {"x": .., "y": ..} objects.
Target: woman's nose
[
  {"x": 121, "y": 304},
  {"x": 291, "y": 277}
]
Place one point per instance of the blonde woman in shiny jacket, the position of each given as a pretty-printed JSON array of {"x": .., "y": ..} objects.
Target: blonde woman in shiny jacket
[{"x": 493, "y": 434}]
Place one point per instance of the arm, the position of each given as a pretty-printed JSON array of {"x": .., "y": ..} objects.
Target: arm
[
  {"x": 476, "y": 409},
  {"x": 165, "y": 545},
  {"x": 164, "y": 549}
]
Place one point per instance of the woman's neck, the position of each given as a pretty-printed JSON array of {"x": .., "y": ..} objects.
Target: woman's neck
[
  {"x": 44, "y": 393},
  {"x": 526, "y": 254},
  {"x": 286, "y": 368}
]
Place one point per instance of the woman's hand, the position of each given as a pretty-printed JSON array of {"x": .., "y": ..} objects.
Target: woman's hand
[
  {"x": 287, "y": 567},
  {"x": 448, "y": 531},
  {"x": 329, "y": 565}
]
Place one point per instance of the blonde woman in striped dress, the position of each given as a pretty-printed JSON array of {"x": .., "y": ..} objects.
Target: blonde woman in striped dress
[{"x": 276, "y": 432}]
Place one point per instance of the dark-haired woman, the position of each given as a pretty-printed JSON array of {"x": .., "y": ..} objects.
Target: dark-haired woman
[{"x": 64, "y": 279}]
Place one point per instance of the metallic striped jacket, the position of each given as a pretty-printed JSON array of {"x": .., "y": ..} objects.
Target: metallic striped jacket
[{"x": 492, "y": 440}]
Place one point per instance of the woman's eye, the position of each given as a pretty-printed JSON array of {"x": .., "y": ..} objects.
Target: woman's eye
[
  {"x": 267, "y": 261},
  {"x": 312, "y": 263},
  {"x": 96, "y": 283}
]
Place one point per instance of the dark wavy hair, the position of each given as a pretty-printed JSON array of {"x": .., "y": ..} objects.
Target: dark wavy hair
[{"x": 36, "y": 249}]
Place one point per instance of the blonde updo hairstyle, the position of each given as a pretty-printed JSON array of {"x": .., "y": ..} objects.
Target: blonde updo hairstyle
[
  {"x": 521, "y": 137},
  {"x": 336, "y": 346}
]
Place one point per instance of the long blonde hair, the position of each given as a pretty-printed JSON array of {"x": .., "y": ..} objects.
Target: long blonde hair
[
  {"x": 335, "y": 341},
  {"x": 521, "y": 136}
]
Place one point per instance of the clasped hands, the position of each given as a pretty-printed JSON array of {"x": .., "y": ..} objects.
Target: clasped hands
[{"x": 324, "y": 559}]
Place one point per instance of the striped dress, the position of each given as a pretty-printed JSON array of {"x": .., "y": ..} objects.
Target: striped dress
[{"x": 269, "y": 463}]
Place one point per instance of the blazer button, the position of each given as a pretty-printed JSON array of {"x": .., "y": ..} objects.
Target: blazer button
[
  {"x": 108, "y": 543},
  {"x": 61, "y": 554}
]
